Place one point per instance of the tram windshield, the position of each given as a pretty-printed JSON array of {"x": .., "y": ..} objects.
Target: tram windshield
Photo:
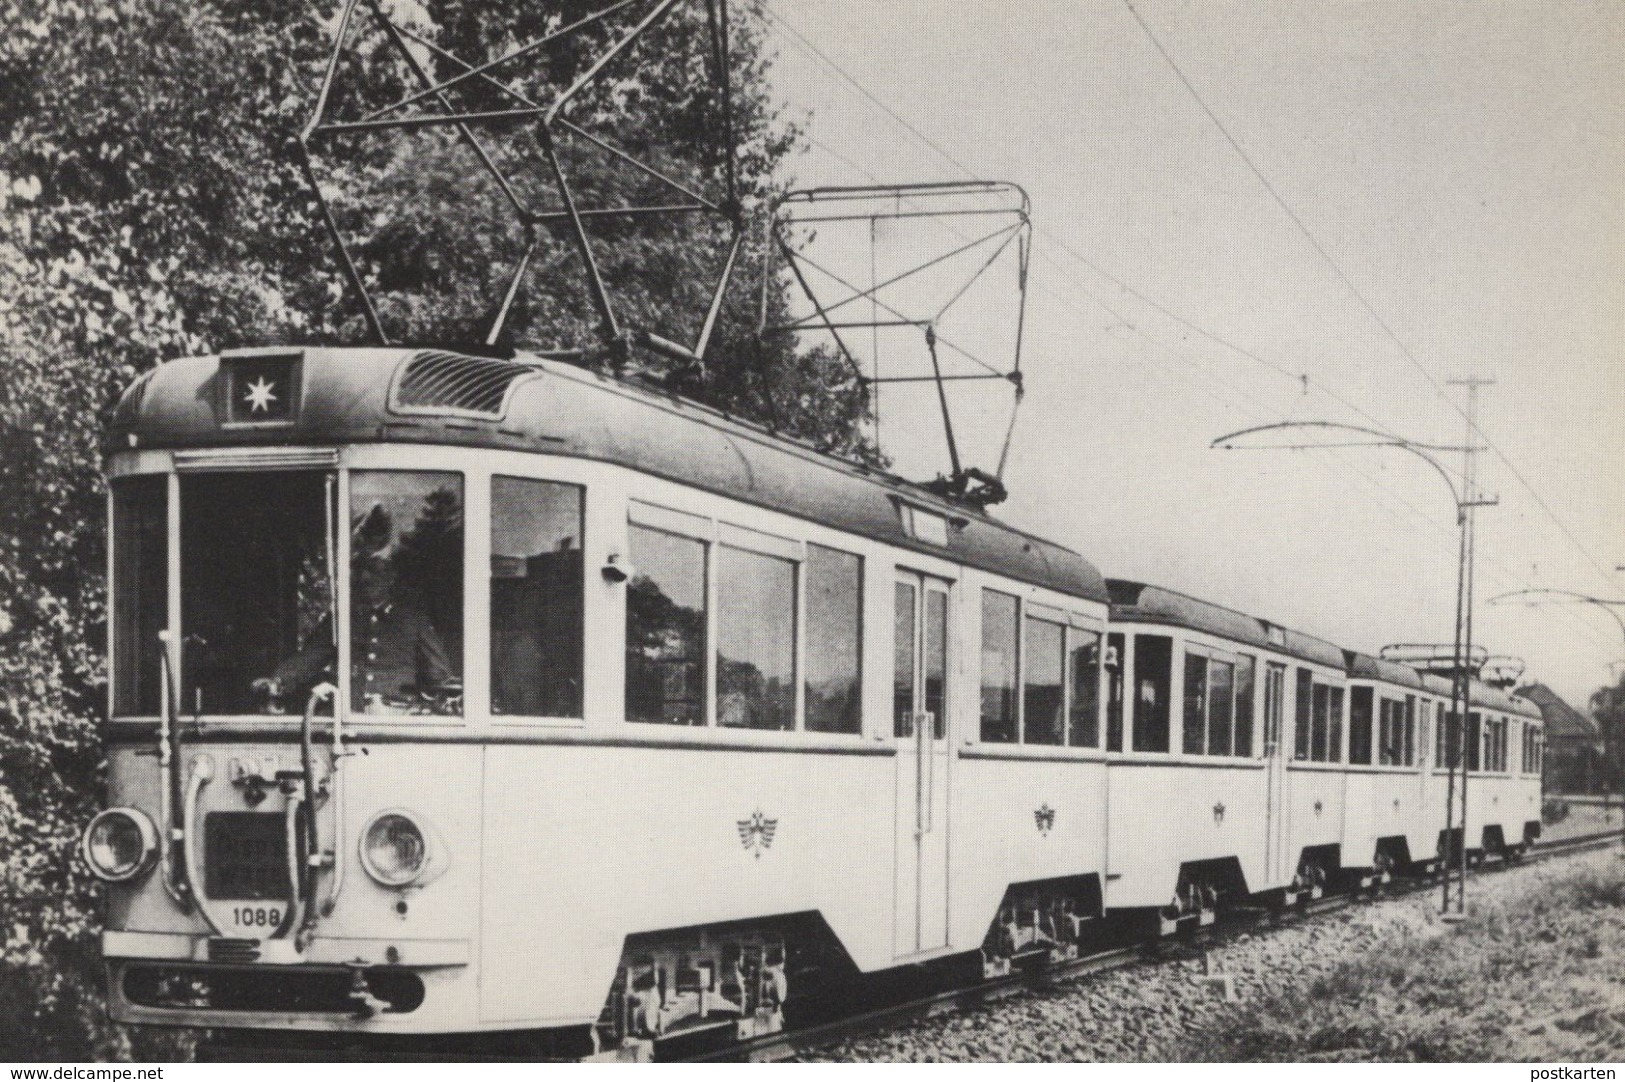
[
  {"x": 259, "y": 596},
  {"x": 256, "y": 584}
]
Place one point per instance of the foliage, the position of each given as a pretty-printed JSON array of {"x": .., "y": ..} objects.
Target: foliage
[
  {"x": 1608, "y": 708},
  {"x": 436, "y": 238},
  {"x": 1546, "y": 949},
  {"x": 151, "y": 207}
]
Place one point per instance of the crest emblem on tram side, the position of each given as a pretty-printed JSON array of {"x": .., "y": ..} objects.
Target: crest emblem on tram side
[
  {"x": 756, "y": 833},
  {"x": 1044, "y": 818}
]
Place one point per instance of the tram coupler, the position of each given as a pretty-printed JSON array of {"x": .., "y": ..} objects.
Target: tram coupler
[{"x": 363, "y": 1003}]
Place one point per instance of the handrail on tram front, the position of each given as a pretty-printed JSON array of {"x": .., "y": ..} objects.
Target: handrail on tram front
[
  {"x": 173, "y": 829},
  {"x": 315, "y": 859}
]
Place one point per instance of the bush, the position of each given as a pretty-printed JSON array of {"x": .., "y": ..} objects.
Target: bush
[
  {"x": 151, "y": 207},
  {"x": 1538, "y": 949}
]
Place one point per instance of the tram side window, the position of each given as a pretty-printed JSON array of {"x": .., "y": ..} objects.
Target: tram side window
[
  {"x": 1326, "y": 735},
  {"x": 1321, "y": 697},
  {"x": 834, "y": 640},
  {"x": 1426, "y": 723},
  {"x": 1083, "y": 729},
  {"x": 1303, "y": 700},
  {"x": 1196, "y": 696},
  {"x": 1360, "y": 726},
  {"x": 999, "y": 654},
  {"x": 1116, "y": 645},
  {"x": 1221, "y": 680},
  {"x": 406, "y": 592},
  {"x": 665, "y": 628},
  {"x": 1210, "y": 705},
  {"x": 1043, "y": 683},
  {"x": 1153, "y": 685},
  {"x": 140, "y": 594},
  {"x": 756, "y": 640},
  {"x": 1244, "y": 705},
  {"x": 256, "y": 591},
  {"x": 1392, "y": 746},
  {"x": 1475, "y": 741},
  {"x": 536, "y": 598},
  {"x": 1408, "y": 751},
  {"x": 1449, "y": 723}
]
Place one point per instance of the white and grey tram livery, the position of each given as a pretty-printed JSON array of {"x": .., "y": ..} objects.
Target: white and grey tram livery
[{"x": 455, "y": 694}]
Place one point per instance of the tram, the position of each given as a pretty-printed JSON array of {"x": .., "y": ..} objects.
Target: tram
[{"x": 457, "y": 694}]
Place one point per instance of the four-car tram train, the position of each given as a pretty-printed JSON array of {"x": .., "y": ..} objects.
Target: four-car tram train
[{"x": 459, "y": 693}]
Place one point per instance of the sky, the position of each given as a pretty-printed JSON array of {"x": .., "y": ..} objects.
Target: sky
[{"x": 1436, "y": 190}]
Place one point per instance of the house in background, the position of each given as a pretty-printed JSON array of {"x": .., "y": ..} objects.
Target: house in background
[{"x": 1574, "y": 751}]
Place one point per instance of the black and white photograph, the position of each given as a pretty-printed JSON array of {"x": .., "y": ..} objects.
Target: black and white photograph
[{"x": 544, "y": 532}]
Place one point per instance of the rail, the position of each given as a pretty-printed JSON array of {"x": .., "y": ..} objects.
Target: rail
[{"x": 784, "y": 1045}]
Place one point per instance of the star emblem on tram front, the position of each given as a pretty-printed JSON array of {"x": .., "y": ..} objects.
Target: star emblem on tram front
[
  {"x": 756, "y": 833},
  {"x": 260, "y": 394}
]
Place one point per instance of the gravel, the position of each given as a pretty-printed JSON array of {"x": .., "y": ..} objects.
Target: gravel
[{"x": 1161, "y": 1011}]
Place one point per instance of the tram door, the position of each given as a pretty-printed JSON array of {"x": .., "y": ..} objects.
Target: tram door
[
  {"x": 920, "y": 728},
  {"x": 1276, "y": 858}
]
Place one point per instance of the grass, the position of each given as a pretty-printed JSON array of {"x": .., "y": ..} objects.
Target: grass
[{"x": 1533, "y": 975}]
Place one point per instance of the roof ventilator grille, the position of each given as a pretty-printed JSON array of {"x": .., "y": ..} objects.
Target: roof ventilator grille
[{"x": 456, "y": 385}]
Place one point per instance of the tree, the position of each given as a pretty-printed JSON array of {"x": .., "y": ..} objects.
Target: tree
[
  {"x": 1608, "y": 709},
  {"x": 435, "y": 237},
  {"x": 151, "y": 207}
]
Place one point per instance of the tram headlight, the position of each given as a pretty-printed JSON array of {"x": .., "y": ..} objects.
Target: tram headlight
[
  {"x": 119, "y": 844},
  {"x": 398, "y": 851}
]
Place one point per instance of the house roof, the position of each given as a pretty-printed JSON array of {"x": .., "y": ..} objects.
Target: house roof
[{"x": 1562, "y": 720}]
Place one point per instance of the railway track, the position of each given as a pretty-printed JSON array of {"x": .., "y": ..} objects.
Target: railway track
[
  {"x": 938, "y": 1004},
  {"x": 785, "y": 1045}
]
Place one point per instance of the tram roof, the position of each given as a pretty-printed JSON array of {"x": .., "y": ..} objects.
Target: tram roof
[
  {"x": 1483, "y": 696},
  {"x": 1365, "y": 667},
  {"x": 1138, "y": 602},
  {"x": 407, "y": 395}
]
